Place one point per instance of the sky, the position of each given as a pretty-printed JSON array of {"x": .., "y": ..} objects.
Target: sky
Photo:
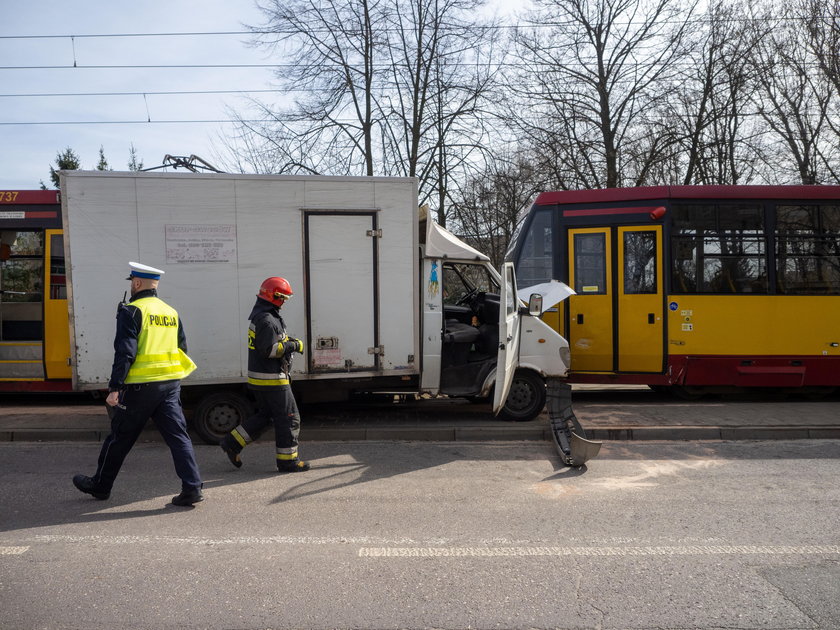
[
  {"x": 47, "y": 78},
  {"x": 28, "y": 150}
]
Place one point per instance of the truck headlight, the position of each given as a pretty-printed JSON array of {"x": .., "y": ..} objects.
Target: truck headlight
[{"x": 566, "y": 356}]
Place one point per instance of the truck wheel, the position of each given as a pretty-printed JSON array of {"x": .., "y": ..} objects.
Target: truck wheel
[
  {"x": 526, "y": 398},
  {"x": 218, "y": 414}
]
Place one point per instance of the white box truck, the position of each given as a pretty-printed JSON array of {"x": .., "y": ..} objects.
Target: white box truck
[{"x": 384, "y": 302}]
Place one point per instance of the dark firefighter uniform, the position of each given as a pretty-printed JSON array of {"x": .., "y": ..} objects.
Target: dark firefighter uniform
[
  {"x": 270, "y": 352},
  {"x": 149, "y": 362}
]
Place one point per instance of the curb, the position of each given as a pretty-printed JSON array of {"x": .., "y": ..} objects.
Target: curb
[
  {"x": 474, "y": 434},
  {"x": 720, "y": 433}
]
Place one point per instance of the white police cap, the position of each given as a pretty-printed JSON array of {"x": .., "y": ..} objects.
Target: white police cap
[{"x": 139, "y": 270}]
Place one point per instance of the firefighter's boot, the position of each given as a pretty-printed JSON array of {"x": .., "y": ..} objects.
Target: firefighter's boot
[
  {"x": 292, "y": 465},
  {"x": 232, "y": 452}
]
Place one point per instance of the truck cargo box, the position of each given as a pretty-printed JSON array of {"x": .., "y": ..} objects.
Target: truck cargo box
[{"x": 347, "y": 245}]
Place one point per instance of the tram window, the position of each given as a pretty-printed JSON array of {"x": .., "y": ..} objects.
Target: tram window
[
  {"x": 535, "y": 258},
  {"x": 58, "y": 279},
  {"x": 639, "y": 262},
  {"x": 21, "y": 276},
  {"x": 830, "y": 220},
  {"x": 590, "y": 264},
  {"x": 807, "y": 249},
  {"x": 719, "y": 248}
]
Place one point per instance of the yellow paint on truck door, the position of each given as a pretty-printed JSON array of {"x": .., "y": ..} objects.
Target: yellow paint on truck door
[
  {"x": 590, "y": 311},
  {"x": 640, "y": 301}
]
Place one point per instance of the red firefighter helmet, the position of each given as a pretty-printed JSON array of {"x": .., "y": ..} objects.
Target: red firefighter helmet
[{"x": 275, "y": 290}]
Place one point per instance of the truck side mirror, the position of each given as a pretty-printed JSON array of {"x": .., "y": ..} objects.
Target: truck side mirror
[{"x": 535, "y": 303}]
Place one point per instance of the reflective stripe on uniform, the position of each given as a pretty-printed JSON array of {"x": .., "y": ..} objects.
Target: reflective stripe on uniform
[
  {"x": 267, "y": 381},
  {"x": 286, "y": 457},
  {"x": 241, "y": 435},
  {"x": 156, "y": 365},
  {"x": 267, "y": 378}
]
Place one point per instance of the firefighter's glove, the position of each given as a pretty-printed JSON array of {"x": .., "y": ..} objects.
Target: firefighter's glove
[{"x": 292, "y": 345}]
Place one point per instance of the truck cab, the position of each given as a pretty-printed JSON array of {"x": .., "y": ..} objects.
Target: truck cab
[{"x": 473, "y": 322}]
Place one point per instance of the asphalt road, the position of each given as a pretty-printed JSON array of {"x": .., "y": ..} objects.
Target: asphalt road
[{"x": 428, "y": 535}]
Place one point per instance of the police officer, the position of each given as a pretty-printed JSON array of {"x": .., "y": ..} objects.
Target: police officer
[
  {"x": 270, "y": 352},
  {"x": 149, "y": 362}
]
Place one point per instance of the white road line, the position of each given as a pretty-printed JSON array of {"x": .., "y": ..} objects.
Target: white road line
[
  {"x": 496, "y": 552},
  {"x": 13, "y": 551},
  {"x": 232, "y": 540},
  {"x": 369, "y": 547}
]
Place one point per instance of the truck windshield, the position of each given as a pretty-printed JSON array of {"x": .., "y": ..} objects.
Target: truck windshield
[{"x": 461, "y": 280}]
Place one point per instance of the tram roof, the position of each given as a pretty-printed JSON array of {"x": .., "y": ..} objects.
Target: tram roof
[{"x": 611, "y": 195}]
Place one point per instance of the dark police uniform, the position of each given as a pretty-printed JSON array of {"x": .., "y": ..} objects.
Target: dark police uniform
[
  {"x": 270, "y": 352},
  {"x": 147, "y": 370}
]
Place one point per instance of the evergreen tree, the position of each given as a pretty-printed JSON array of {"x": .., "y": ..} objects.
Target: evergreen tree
[
  {"x": 102, "y": 165},
  {"x": 133, "y": 163},
  {"x": 66, "y": 161}
]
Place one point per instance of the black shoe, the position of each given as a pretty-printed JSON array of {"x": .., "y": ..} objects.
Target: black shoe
[
  {"x": 293, "y": 465},
  {"x": 188, "y": 497},
  {"x": 232, "y": 455},
  {"x": 88, "y": 486}
]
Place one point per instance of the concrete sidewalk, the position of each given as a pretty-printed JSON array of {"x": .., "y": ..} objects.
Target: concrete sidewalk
[{"x": 606, "y": 413}]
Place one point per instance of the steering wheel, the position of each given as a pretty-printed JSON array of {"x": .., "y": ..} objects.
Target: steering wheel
[{"x": 467, "y": 297}]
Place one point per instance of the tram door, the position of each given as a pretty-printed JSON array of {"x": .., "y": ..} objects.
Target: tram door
[
  {"x": 56, "y": 320},
  {"x": 640, "y": 299},
  {"x": 616, "y": 318},
  {"x": 591, "y": 310}
]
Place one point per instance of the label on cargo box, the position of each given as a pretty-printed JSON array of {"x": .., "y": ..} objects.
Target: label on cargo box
[
  {"x": 327, "y": 357},
  {"x": 200, "y": 243}
]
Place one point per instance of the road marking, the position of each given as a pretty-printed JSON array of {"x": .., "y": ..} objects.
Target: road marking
[
  {"x": 232, "y": 540},
  {"x": 13, "y": 551},
  {"x": 500, "y": 552},
  {"x": 401, "y": 548}
]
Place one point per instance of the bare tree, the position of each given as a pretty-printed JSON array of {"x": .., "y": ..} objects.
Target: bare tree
[
  {"x": 490, "y": 203},
  {"x": 386, "y": 87},
  {"x": 822, "y": 18},
  {"x": 793, "y": 100},
  {"x": 330, "y": 52},
  {"x": 823, "y": 23},
  {"x": 593, "y": 71},
  {"x": 441, "y": 71},
  {"x": 715, "y": 139}
]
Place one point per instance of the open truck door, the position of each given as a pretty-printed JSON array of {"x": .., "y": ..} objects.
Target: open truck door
[
  {"x": 508, "y": 357},
  {"x": 568, "y": 435}
]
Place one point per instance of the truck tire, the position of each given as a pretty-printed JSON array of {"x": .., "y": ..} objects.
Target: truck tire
[
  {"x": 526, "y": 398},
  {"x": 219, "y": 413}
]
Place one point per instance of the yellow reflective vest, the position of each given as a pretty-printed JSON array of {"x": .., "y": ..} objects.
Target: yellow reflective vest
[{"x": 158, "y": 356}]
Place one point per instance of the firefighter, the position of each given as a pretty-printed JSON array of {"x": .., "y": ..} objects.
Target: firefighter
[
  {"x": 270, "y": 352},
  {"x": 149, "y": 362}
]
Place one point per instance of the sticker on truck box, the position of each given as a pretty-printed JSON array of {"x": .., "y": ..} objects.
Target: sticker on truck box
[{"x": 200, "y": 243}]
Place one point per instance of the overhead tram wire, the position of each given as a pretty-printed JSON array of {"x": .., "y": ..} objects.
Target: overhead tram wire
[
  {"x": 153, "y": 93},
  {"x": 235, "y": 66},
  {"x": 699, "y": 18},
  {"x": 133, "y": 122}
]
